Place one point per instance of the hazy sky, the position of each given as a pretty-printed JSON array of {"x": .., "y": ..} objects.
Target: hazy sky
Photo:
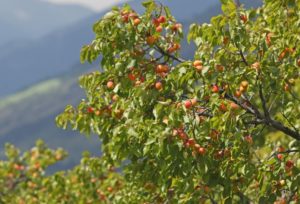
[{"x": 93, "y": 4}]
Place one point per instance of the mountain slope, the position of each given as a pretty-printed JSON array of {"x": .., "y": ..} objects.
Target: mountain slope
[
  {"x": 30, "y": 115},
  {"x": 46, "y": 57},
  {"x": 31, "y": 19}
]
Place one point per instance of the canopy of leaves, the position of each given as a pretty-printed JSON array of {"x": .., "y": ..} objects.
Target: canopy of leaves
[{"x": 193, "y": 130}]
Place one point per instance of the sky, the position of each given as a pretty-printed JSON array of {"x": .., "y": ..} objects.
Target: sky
[{"x": 95, "y": 5}]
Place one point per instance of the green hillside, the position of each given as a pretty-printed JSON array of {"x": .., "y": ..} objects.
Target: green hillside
[{"x": 30, "y": 114}]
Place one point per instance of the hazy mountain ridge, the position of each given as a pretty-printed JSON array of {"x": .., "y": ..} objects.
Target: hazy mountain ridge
[{"x": 31, "y": 19}]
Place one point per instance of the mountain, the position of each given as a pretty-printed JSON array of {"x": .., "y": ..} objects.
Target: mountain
[
  {"x": 30, "y": 113},
  {"x": 49, "y": 56},
  {"x": 30, "y": 19}
]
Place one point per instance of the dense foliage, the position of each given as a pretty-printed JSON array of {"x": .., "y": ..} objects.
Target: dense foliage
[{"x": 222, "y": 127}]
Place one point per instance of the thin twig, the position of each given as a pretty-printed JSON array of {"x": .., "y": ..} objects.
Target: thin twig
[
  {"x": 284, "y": 152},
  {"x": 243, "y": 58},
  {"x": 264, "y": 103},
  {"x": 291, "y": 124}
]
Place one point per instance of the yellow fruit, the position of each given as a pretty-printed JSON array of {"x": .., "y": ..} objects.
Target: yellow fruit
[{"x": 244, "y": 84}]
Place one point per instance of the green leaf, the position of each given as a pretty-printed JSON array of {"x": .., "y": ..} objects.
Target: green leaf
[{"x": 228, "y": 7}]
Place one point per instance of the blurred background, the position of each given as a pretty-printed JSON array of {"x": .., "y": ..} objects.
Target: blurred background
[{"x": 40, "y": 42}]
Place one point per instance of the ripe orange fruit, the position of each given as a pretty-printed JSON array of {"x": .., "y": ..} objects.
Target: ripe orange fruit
[
  {"x": 159, "y": 29},
  {"x": 201, "y": 150},
  {"x": 183, "y": 135},
  {"x": 98, "y": 112},
  {"x": 174, "y": 47},
  {"x": 131, "y": 76},
  {"x": 244, "y": 84},
  {"x": 289, "y": 164},
  {"x": 191, "y": 142},
  {"x": 165, "y": 68},
  {"x": 237, "y": 94},
  {"x": 215, "y": 89},
  {"x": 188, "y": 104},
  {"x": 155, "y": 22},
  {"x": 280, "y": 156},
  {"x": 256, "y": 65},
  {"x": 115, "y": 97},
  {"x": 223, "y": 107},
  {"x": 151, "y": 40},
  {"x": 161, "y": 19},
  {"x": 136, "y": 21},
  {"x": 244, "y": 18},
  {"x": 125, "y": 18},
  {"x": 110, "y": 85},
  {"x": 197, "y": 63},
  {"x": 220, "y": 68},
  {"x": 234, "y": 106},
  {"x": 281, "y": 149},
  {"x": 194, "y": 101},
  {"x": 90, "y": 109},
  {"x": 177, "y": 46},
  {"x": 197, "y": 146},
  {"x": 159, "y": 68},
  {"x": 242, "y": 89},
  {"x": 171, "y": 49},
  {"x": 199, "y": 68},
  {"x": 176, "y": 27},
  {"x": 158, "y": 85}
]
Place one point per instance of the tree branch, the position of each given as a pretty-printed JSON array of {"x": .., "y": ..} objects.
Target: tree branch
[
  {"x": 279, "y": 126},
  {"x": 266, "y": 119},
  {"x": 249, "y": 107},
  {"x": 273, "y": 123},
  {"x": 161, "y": 51},
  {"x": 291, "y": 124},
  {"x": 284, "y": 152},
  {"x": 244, "y": 106},
  {"x": 264, "y": 103},
  {"x": 243, "y": 58}
]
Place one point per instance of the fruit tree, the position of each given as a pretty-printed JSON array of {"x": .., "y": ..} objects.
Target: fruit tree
[{"x": 220, "y": 127}]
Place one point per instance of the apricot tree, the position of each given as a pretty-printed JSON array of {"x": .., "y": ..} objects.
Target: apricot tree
[
  {"x": 200, "y": 128},
  {"x": 220, "y": 127}
]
